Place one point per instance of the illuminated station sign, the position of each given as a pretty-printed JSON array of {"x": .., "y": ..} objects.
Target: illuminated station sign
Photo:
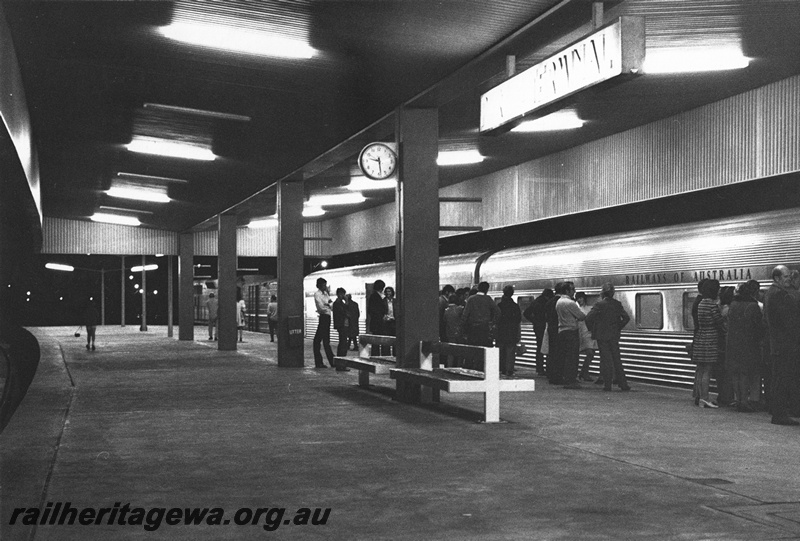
[{"x": 615, "y": 49}]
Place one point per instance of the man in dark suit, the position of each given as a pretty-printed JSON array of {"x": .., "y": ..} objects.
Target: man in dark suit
[
  {"x": 341, "y": 322},
  {"x": 783, "y": 325},
  {"x": 535, "y": 313},
  {"x": 606, "y": 320},
  {"x": 555, "y": 361},
  {"x": 376, "y": 309}
]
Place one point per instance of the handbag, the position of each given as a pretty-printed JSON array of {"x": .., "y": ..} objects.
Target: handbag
[
  {"x": 78, "y": 331},
  {"x": 520, "y": 350}
]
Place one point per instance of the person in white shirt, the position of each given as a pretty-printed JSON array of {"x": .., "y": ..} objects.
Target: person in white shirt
[
  {"x": 322, "y": 337},
  {"x": 569, "y": 314}
]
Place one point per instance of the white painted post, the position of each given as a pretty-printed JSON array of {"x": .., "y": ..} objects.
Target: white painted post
[{"x": 491, "y": 377}]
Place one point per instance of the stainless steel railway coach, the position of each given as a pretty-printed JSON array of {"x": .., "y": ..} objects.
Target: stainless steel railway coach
[{"x": 655, "y": 273}]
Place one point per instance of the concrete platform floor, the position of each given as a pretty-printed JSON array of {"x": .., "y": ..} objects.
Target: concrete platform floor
[{"x": 153, "y": 422}]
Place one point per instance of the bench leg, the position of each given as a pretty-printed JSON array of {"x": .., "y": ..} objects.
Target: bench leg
[
  {"x": 491, "y": 406},
  {"x": 363, "y": 378}
]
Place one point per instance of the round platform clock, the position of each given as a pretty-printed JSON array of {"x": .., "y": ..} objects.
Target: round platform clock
[{"x": 377, "y": 161}]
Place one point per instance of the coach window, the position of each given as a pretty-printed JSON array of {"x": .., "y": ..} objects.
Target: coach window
[
  {"x": 649, "y": 311},
  {"x": 524, "y": 302},
  {"x": 688, "y": 302}
]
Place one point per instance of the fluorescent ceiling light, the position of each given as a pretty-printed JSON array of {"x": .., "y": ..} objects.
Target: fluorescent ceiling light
[
  {"x": 59, "y": 267},
  {"x": 562, "y": 120},
  {"x": 269, "y": 221},
  {"x": 308, "y": 212},
  {"x": 172, "y": 149},
  {"x": 152, "y": 196},
  {"x": 326, "y": 200},
  {"x": 237, "y": 39},
  {"x": 196, "y": 112},
  {"x": 152, "y": 266},
  {"x": 115, "y": 219},
  {"x": 459, "y": 157},
  {"x": 149, "y": 178},
  {"x": 694, "y": 59},
  {"x": 358, "y": 184}
]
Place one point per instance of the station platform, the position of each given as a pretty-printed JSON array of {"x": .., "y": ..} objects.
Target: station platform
[{"x": 148, "y": 422}]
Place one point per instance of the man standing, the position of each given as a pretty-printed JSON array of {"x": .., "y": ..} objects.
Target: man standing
[
  {"x": 444, "y": 300},
  {"x": 508, "y": 331},
  {"x": 353, "y": 314},
  {"x": 569, "y": 314},
  {"x": 783, "y": 325},
  {"x": 481, "y": 314},
  {"x": 555, "y": 357},
  {"x": 213, "y": 312},
  {"x": 606, "y": 321},
  {"x": 376, "y": 309},
  {"x": 341, "y": 322},
  {"x": 323, "y": 334},
  {"x": 535, "y": 313}
]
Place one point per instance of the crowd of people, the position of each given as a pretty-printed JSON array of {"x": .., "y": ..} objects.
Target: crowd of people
[
  {"x": 470, "y": 316},
  {"x": 565, "y": 326},
  {"x": 749, "y": 341}
]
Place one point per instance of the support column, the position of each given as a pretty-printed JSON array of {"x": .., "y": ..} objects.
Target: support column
[
  {"x": 103, "y": 297},
  {"x": 291, "y": 251},
  {"x": 186, "y": 286},
  {"x": 143, "y": 326},
  {"x": 226, "y": 274},
  {"x": 417, "y": 248},
  {"x": 122, "y": 291},
  {"x": 170, "y": 294}
]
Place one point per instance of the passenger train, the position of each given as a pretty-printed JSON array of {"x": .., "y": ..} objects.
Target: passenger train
[
  {"x": 256, "y": 291},
  {"x": 655, "y": 273}
]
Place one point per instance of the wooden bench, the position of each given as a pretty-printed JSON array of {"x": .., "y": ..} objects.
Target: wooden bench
[
  {"x": 365, "y": 363},
  {"x": 460, "y": 380}
]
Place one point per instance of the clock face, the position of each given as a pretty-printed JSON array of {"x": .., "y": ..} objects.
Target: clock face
[{"x": 377, "y": 161}]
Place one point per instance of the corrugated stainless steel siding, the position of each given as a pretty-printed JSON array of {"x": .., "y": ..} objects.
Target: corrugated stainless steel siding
[
  {"x": 63, "y": 236},
  {"x": 371, "y": 228},
  {"x": 753, "y": 240},
  {"x": 262, "y": 242},
  {"x": 780, "y": 127},
  {"x": 647, "y": 357},
  {"x": 745, "y": 137}
]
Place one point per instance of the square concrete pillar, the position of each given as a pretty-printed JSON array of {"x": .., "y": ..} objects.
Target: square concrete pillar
[
  {"x": 417, "y": 246},
  {"x": 291, "y": 251},
  {"x": 226, "y": 275},
  {"x": 185, "y": 287}
]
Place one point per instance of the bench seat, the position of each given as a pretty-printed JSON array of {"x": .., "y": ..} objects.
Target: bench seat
[
  {"x": 458, "y": 381},
  {"x": 365, "y": 363},
  {"x": 373, "y": 365},
  {"x": 461, "y": 380}
]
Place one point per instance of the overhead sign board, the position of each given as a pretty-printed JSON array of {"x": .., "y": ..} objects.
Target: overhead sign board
[{"x": 615, "y": 49}]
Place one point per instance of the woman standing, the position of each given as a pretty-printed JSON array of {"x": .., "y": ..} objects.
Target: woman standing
[
  {"x": 389, "y": 321},
  {"x": 745, "y": 332},
  {"x": 272, "y": 316},
  {"x": 240, "y": 314},
  {"x": 588, "y": 345},
  {"x": 706, "y": 351}
]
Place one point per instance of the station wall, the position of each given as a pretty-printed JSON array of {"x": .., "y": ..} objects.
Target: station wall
[
  {"x": 745, "y": 137},
  {"x": 63, "y": 236}
]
